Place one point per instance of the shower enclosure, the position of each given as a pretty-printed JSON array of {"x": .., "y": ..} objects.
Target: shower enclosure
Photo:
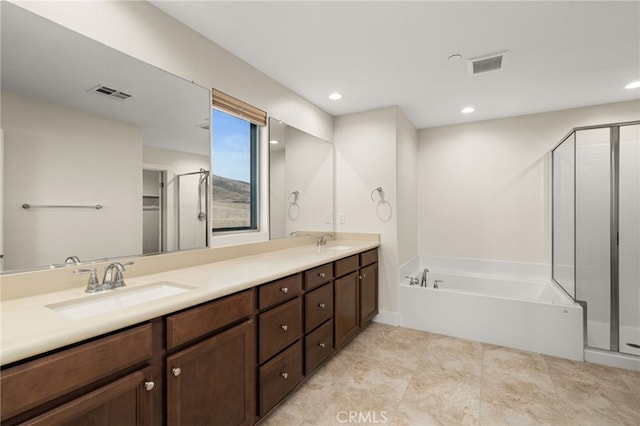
[
  {"x": 596, "y": 231},
  {"x": 192, "y": 200}
]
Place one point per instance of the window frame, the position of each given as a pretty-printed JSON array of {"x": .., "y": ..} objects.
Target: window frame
[{"x": 254, "y": 174}]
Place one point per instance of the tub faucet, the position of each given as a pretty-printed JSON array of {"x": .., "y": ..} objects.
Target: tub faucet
[
  {"x": 435, "y": 283},
  {"x": 423, "y": 282}
]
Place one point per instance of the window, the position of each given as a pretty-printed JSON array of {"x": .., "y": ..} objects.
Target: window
[{"x": 234, "y": 189}]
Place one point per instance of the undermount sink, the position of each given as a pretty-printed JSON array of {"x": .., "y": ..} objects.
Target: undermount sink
[
  {"x": 338, "y": 247},
  {"x": 112, "y": 300}
]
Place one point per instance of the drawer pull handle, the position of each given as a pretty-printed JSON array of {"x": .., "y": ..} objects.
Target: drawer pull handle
[
  {"x": 322, "y": 306},
  {"x": 284, "y": 375},
  {"x": 285, "y": 290},
  {"x": 322, "y": 345},
  {"x": 176, "y": 371},
  {"x": 284, "y": 327},
  {"x": 322, "y": 275},
  {"x": 149, "y": 385}
]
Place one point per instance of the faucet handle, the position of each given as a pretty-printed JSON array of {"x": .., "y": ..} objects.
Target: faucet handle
[{"x": 93, "y": 284}]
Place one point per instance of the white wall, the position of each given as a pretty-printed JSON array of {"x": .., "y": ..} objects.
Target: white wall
[
  {"x": 43, "y": 142},
  {"x": 483, "y": 188},
  {"x": 145, "y": 32},
  {"x": 365, "y": 152}
]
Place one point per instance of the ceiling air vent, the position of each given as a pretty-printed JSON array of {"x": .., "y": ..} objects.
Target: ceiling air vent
[
  {"x": 487, "y": 63},
  {"x": 108, "y": 91}
]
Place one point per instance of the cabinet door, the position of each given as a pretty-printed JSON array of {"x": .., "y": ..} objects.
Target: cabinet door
[
  {"x": 213, "y": 382},
  {"x": 368, "y": 293},
  {"x": 124, "y": 402},
  {"x": 346, "y": 307}
]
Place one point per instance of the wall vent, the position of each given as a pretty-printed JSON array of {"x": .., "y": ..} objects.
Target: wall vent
[
  {"x": 108, "y": 91},
  {"x": 487, "y": 63}
]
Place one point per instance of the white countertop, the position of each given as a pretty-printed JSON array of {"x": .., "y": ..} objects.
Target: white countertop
[{"x": 30, "y": 328}]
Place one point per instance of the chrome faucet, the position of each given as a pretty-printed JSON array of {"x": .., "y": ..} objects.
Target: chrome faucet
[
  {"x": 322, "y": 240},
  {"x": 423, "y": 281},
  {"x": 113, "y": 277}
]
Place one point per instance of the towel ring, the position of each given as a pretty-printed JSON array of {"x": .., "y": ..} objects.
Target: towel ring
[{"x": 379, "y": 191}]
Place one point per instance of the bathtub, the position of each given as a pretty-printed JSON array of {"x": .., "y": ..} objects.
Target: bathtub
[{"x": 534, "y": 316}]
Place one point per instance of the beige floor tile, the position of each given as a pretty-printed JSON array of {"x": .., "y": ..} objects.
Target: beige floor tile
[
  {"x": 345, "y": 404},
  {"x": 386, "y": 379},
  {"x": 392, "y": 375}
]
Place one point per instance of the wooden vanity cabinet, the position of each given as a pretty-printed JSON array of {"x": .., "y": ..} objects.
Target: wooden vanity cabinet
[
  {"x": 368, "y": 286},
  {"x": 225, "y": 362},
  {"x": 280, "y": 328},
  {"x": 356, "y": 294},
  {"x": 347, "y": 306},
  {"x": 212, "y": 382},
  {"x": 104, "y": 381}
]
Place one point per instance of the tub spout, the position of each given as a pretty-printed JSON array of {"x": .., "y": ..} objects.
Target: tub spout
[{"x": 423, "y": 282}]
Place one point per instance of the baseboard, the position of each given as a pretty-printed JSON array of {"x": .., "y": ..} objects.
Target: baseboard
[{"x": 388, "y": 318}]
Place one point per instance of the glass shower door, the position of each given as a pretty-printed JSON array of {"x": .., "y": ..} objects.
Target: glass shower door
[
  {"x": 593, "y": 231},
  {"x": 629, "y": 239}
]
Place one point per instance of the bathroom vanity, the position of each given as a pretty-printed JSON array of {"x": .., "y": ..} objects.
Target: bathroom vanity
[{"x": 229, "y": 359}]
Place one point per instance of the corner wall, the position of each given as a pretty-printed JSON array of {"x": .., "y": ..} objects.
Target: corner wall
[{"x": 369, "y": 147}]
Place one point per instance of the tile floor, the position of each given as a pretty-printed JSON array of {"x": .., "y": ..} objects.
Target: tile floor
[{"x": 397, "y": 376}]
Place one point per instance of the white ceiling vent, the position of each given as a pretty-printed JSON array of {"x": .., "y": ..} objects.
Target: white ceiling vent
[
  {"x": 487, "y": 63},
  {"x": 108, "y": 91}
]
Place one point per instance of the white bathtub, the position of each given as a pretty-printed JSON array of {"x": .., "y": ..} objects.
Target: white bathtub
[{"x": 529, "y": 315}]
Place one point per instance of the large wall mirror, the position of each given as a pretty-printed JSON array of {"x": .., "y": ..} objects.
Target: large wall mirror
[
  {"x": 104, "y": 156},
  {"x": 301, "y": 181}
]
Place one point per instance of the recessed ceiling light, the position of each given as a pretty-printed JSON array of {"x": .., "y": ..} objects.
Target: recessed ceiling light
[
  {"x": 273, "y": 141},
  {"x": 467, "y": 110},
  {"x": 455, "y": 57},
  {"x": 335, "y": 96},
  {"x": 633, "y": 85}
]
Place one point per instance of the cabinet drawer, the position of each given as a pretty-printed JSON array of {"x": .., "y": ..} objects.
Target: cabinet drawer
[
  {"x": 317, "y": 276},
  {"x": 318, "y": 307},
  {"x": 196, "y": 322},
  {"x": 369, "y": 257},
  {"x": 279, "y": 291},
  {"x": 346, "y": 265},
  {"x": 36, "y": 382},
  {"x": 279, "y": 327},
  {"x": 279, "y": 376},
  {"x": 318, "y": 346}
]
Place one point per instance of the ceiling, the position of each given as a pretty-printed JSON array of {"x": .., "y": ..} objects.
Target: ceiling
[{"x": 376, "y": 54}]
